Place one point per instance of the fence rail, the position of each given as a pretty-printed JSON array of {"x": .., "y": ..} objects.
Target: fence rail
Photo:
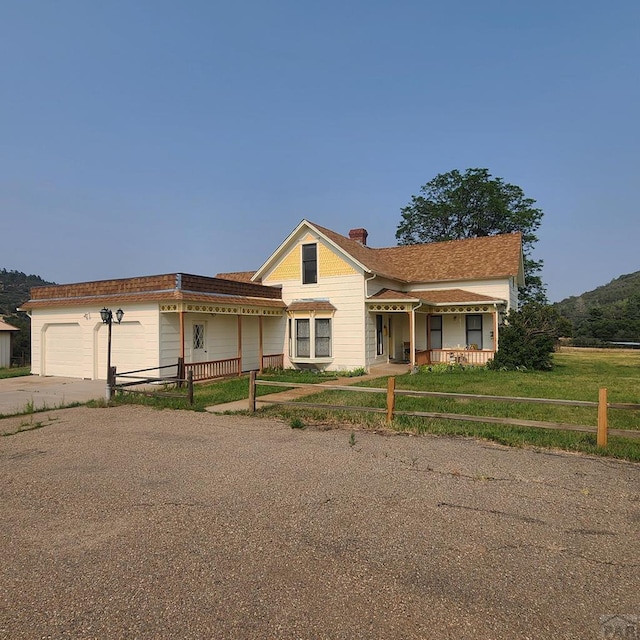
[
  {"x": 146, "y": 382},
  {"x": 391, "y": 392}
]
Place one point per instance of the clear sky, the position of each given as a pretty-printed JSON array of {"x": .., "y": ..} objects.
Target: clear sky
[{"x": 152, "y": 136}]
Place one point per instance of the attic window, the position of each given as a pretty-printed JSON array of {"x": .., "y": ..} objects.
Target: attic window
[{"x": 309, "y": 264}]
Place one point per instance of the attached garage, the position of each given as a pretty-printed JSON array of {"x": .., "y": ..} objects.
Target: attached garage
[
  {"x": 63, "y": 353},
  {"x": 165, "y": 318}
]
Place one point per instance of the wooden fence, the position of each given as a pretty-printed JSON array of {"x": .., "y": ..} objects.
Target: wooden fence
[
  {"x": 391, "y": 392},
  {"x": 133, "y": 380}
]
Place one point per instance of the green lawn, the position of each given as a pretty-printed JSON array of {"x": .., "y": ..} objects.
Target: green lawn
[
  {"x": 14, "y": 372},
  {"x": 228, "y": 390},
  {"x": 577, "y": 376}
]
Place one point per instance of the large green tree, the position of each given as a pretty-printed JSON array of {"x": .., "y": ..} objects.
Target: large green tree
[{"x": 455, "y": 205}]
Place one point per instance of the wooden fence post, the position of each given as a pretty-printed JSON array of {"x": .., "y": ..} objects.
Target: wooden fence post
[
  {"x": 391, "y": 398},
  {"x": 180, "y": 372},
  {"x": 252, "y": 391},
  {"x": 190, "y": 386},
  {"x": 602, "y": 418}
]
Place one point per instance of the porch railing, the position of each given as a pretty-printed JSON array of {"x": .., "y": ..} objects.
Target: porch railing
[
  {"x": 214, "y": 369},
  {"x": 273, "y": 361},
  {"x": 475, "y": 357}
]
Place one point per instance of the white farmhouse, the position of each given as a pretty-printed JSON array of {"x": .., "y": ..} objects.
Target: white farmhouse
[{"x": 321, "y": 300}]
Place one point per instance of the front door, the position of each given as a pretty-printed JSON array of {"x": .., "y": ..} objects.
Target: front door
[{"x": 199, "y": 346}]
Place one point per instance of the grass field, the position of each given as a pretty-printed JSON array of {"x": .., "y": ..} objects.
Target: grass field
[{"x": 577, "y": 376}]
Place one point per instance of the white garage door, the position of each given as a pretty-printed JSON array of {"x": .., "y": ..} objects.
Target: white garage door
[
  {"x": 128, "y": 351},
  {"x": 63, "y": 350}
]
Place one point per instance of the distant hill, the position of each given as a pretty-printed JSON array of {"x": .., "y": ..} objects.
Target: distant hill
[
  {"x": 609, "y": 313},
  {"x": 14, "y": 290}
]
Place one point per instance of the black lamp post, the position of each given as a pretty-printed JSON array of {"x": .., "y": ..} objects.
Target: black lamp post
[{"x": 107, "y": 318}]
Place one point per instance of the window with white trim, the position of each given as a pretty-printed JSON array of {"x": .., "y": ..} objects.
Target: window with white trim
[
  {"x": 323, "y": 338},
  {"x": 303, "y": 338},
  {"x": 309, "y": 263},
  {"x": 312, "y": 338}
]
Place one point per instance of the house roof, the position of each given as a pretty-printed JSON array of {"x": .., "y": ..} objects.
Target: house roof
[
  {"x": 237, "y": 276},
  {"x": 470, "y": 259},
  {"x": 5, "y": 326},
  {"x": 172, "y": 286},
  {"x": 310, "y": 305},
  {"x": 436, "y": 297}
]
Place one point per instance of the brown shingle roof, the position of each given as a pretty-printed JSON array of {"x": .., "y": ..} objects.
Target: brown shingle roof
[
  {"x": 311, "y": 305},
  {"x": 451, "y": 296},
  {"x": 440, "y": 296},
  {"x": 238, "y": 276},
  {"x": 174, "y": 286},
  {"x": 472, "y": 258},
  {"x": 390, "y": 294}
]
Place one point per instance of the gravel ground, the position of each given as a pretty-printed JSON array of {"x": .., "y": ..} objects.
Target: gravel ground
[{"x": 134, "y": 523}]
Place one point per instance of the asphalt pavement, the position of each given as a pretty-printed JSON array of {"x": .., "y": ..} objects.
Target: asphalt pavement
[{"x": 129, "y": 522}]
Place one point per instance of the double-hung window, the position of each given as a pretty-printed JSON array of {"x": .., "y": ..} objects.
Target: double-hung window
[
  {"x": 312, "y": 338},
  {"x": 323, "y": 338},
  {"x": 435, "y": 325},
  {"x": 474, "y": 331},
  {"x": 309, "y": 263},
  {"x": 303, "y": 338}
]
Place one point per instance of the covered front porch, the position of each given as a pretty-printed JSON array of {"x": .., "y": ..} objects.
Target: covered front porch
[
  {"x": 435, "y": 327},
  {"x": 219, "y": 340}
]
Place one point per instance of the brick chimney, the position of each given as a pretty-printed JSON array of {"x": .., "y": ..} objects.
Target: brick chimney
[{"x": 359, "y": 235}]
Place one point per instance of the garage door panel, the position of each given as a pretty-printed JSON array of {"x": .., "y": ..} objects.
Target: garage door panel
[
  {"x": 128, "y": 351},
  {"x": 63, "y": 352}
]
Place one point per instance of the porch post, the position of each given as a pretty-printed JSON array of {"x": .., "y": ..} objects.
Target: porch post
[
  {"x": 181, "y": 314},
  {"x": 260, "y": 347},
  {"x": 239, "y": 345},
  {"x": 428, "y": 338},
  {"x": 412, "y": 336},
  {"x": 495, "y": 330}
]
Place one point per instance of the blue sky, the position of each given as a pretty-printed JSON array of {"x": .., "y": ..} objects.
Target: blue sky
[{"x": 147, "y": 136}]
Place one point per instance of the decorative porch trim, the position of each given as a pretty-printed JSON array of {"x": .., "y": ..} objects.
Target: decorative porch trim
[
  {"x": 221, "y": 309},
  {"x": 393, "y": 306}
]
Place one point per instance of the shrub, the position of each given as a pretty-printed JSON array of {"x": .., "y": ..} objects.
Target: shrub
[{"x": 527, "y": 341}]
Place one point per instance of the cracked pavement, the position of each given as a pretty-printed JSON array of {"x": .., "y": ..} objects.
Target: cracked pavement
[{"x": 129, "y": 522}]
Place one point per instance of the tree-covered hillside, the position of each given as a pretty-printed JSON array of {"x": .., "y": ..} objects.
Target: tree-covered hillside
[
  {"x": 14, "y": 290},
  {"x": 609, "y": 313}
]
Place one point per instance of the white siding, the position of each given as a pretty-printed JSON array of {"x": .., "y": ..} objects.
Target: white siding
[
  {"x": 169, "y": 340},
  {"x": 273, "y": 335},
  {"x": 346, "y": 294},
  {"x": 250, "y": 343},
  {"x": 222, "y": 337},
  {"x": 498, "y": 289}
]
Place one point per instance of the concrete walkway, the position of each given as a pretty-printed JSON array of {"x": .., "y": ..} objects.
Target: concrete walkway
[
  {"x": 42, "y": 392},
  {"x": 300, "y": 392}
]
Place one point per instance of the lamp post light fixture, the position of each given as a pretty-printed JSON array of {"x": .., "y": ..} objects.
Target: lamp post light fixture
[{"x": 107, "y": 318}]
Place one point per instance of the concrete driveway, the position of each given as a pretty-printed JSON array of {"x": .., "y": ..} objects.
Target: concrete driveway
[{"x": 46, "y": 392}]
